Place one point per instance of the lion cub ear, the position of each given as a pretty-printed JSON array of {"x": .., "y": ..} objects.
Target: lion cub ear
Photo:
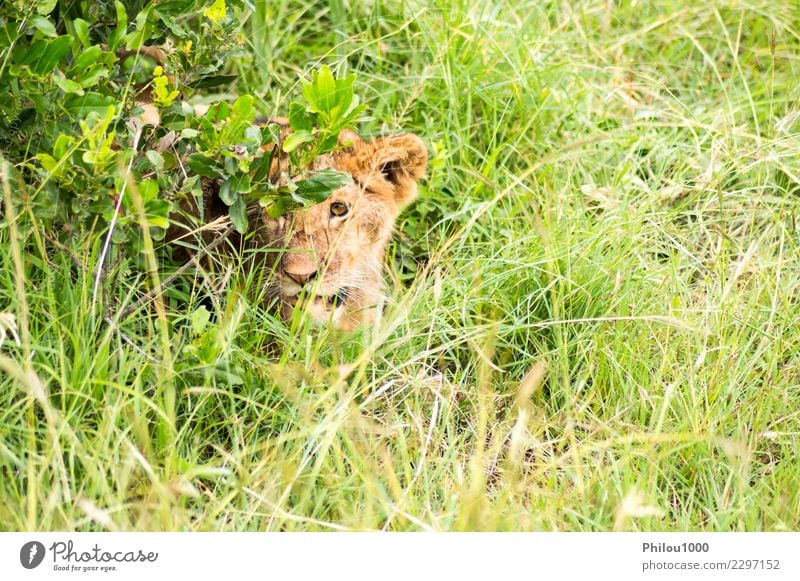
[{"x": 402, "y": 160}]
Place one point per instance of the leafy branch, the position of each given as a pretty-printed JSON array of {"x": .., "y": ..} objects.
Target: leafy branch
[
  {"x": 237, "y": 152},
  {"x": 81, "y": 83}
]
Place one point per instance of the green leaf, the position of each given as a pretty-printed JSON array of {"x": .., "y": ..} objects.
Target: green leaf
[
  {"x": 121, "y": 13},
  {"x": 242, "y": 115},
  {"x": 209, "y": 81},
  {"x": 155, "y": 159},
  {"x": 328, "y": 140},
  {"x": 299, "y": 119},
  {"x": 227, "y": 195},
  {"x": 8, "y": 34},
  {"x": 43, "y": 25},
  {"x": 44, "y": 55},
  {"x": 148, "y": 189},
  {"x": 157, "y": 213},
  {"x": 199, "y": 319},
  {"x": 238, "y": 214},
  {"x": 240, "y": 183},
  {"x": 67, "y": 85},
  {"x": 276, "y": 206},
  {"x": 344, "y": 96},
  {"x": 92, "y": 76},
  {"x": 204, "y": 166},
  {"x": 89, "y": 103},
  {"x": 121, "y": 29},
  {"x": 271, "y": 133},
  {"x": 45, "y": 7},
  {"x": 41, "y": 103},
  {"x": 222, "y": 111},
  {"x": 232, "y": 187},
  {"x": 176, "y": 7},
  {"x": 87, "y": 58},
  {"x": 295, "y": 140},
  {"x": 252, "y": 135},
  {"x": 62, "y": 146},
  {"x": 81, "y": 31},
  {"x": 49, "y": 164},
  {"x": 262, "y": 167},
  {"x": 354, "y": 110},
  {"x": 137, "y": 38},
  {"x": 321, "y": 91},
  {"x": 320, "y": 186}
]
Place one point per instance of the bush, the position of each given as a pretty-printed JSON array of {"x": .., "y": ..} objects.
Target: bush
[{"x": 103, "y": 101}]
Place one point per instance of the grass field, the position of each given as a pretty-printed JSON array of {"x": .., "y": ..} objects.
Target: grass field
[{"x": 594, "y": 323}]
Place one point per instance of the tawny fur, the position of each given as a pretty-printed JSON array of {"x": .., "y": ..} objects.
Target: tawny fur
[{"x": 331, "y": 266}]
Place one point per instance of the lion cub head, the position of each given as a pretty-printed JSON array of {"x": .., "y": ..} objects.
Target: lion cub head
[{"x": 328, "y": 259}]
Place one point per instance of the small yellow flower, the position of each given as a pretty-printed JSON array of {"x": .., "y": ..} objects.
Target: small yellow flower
[
  {"x": 216, "y": 12},
  {"x": 163, "y": 93}
]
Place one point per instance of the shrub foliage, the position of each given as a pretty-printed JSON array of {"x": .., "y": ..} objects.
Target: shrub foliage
[{"x": 109, "y": 97}]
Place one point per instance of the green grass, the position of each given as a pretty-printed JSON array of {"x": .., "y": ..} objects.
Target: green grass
[{"x": 597, "y": 327}]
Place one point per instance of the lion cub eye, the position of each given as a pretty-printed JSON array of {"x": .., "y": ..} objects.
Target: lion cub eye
[{"x": 339, "y": 209}]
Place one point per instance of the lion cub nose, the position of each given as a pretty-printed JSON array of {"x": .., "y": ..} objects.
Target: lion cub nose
[
  {"x": 301, "y": 278},
  {"x": 301, "y": 267}
]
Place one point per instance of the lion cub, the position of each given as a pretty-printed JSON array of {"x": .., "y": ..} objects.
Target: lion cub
[{"x": 327, "y": 259}]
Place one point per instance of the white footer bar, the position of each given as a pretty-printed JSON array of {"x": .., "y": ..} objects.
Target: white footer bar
[{"x": 400, "y": 556}]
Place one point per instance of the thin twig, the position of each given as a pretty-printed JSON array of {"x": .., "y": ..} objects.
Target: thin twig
[{"x": 66, "y": 250}]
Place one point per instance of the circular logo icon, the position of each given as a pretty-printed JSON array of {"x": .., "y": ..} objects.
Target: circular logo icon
[{"x": 31, "y": 554}]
